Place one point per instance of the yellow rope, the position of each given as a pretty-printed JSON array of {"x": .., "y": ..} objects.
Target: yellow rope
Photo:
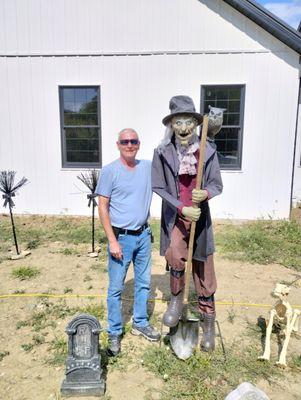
[{"x": 64, "y": 296}]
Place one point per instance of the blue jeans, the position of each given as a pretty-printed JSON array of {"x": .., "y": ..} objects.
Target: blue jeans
[{"x": 136, "y": 249}]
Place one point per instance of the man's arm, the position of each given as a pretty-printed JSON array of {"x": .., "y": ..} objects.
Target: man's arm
[{"x": 103, "y": 211}]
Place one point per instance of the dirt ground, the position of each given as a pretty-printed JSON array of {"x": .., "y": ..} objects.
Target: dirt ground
[{"x": 26, "y": 375}]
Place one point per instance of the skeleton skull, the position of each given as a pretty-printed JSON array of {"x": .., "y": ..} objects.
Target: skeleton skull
[
  {"x": 184, "y": 126},
  {"x": 281, "y": 291}
]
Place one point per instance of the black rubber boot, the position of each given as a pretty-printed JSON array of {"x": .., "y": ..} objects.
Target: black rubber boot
[
  {"x": 174, "y": 311},
  {"x": 208, "y": 326}
]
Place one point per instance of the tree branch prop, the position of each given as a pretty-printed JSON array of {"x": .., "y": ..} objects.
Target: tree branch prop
[
  {"x": 90, "y": 179},
  {"x": 7, "y": 187}
]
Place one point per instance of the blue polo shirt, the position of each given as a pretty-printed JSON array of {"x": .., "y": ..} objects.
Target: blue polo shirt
[{"x": 129, "y": 191}]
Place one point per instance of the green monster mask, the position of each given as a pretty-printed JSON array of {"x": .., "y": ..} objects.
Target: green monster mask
[{"x": 184, "y": 127}]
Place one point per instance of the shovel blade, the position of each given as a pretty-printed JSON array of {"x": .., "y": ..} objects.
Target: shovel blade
[{"x": 184, "y": 338}]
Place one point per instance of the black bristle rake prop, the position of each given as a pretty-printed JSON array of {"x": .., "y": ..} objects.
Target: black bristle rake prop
[
  {"x": 90, "y": 180},
  {"x": 9, "y": 189}
]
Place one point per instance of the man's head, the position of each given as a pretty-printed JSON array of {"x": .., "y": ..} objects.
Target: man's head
[{"x": 128, "y": 144}]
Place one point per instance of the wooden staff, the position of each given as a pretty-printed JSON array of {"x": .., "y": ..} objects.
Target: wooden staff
[{"x": 202, "y": 152}]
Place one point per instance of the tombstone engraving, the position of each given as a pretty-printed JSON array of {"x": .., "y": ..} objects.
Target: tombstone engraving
[{"x": 83, "y": 376}]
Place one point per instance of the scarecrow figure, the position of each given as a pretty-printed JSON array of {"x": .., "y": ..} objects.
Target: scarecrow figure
[{"x": 174, "y": 172}]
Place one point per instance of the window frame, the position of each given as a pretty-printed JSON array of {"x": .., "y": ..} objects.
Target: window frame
[
  {"x": 79, "y": 165},
  {"x": 242, "y": 87}
]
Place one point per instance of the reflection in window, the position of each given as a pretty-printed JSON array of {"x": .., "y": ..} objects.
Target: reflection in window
[
  {"x": 80, "y": 126},
  {"x": 229, "y": 139}
]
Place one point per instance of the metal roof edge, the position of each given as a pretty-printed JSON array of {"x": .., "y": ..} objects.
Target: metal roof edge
[{"x": 268, "y": 21}]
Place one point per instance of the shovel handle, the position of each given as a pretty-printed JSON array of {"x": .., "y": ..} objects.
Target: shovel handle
[{"x": 202, "y": 150}]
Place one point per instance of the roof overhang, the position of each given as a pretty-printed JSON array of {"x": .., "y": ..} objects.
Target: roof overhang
[{"x": 268, "y": 21}]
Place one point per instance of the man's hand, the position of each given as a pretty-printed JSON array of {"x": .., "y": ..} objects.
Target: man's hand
[
  {"x": 103, "y": 209},
  {"x": 199, "y": 195},
  {"x": 191, "y": 213},
  {"x": 115, "y": 250}
]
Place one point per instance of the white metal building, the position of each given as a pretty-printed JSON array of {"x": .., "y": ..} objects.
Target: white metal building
[{"x": 73, "y": 73}]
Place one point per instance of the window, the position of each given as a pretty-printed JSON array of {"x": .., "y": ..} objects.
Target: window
[
  {"x": 80, "y": 126},
  {"x": 229, "y": 139}
]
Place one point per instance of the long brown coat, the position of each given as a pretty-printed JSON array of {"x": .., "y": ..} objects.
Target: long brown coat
[{"x": 165, "y": 167}]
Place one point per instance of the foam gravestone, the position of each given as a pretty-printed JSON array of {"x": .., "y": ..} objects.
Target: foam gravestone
[{"x": 83, "y": 364}]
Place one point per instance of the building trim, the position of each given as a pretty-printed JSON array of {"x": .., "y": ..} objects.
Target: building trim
[
  {"x": 295, "y": 149},
  {"x": 137, "y": 53},
  {"x": 269, "y": 22}
]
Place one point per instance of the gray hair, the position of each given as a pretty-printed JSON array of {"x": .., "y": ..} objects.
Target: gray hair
[
  {"x": 169, "y": 134},
  {"x": 127, "y": 130},
  {"x": 167, "y": 137}
]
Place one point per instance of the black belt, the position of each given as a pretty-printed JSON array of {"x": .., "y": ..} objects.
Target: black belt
[{"x": 121, "y": 231}]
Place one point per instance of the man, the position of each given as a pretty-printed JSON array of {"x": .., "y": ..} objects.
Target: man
[
  {"x": 174, "y": 172},
  {"x": 124, "y": 189}
]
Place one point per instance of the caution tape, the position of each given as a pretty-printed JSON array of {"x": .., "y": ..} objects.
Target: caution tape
[{"x": 99, "y": 296}]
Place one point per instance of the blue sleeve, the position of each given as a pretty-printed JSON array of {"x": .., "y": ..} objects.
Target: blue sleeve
[{"x": 105, "y": 183}]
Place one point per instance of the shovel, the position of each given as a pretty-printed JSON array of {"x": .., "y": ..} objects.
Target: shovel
[{"x": 184, "y": 337}]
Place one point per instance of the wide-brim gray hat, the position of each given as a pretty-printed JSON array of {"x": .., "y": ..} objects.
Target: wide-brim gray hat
[{"x": 182, "y": 105}]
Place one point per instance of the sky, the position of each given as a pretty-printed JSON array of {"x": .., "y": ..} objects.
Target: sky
[{"x": 288, "y": 10}]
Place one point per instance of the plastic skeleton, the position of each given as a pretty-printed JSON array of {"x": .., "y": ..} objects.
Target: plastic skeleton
[{"x": 284, "y": 315}]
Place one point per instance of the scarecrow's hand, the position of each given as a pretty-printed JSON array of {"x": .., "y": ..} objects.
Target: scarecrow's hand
[
  {"x": 191, "y": 213},
  {"x": 199, "y": 195}
]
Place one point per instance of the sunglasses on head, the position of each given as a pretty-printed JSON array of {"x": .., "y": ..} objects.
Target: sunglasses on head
[{"x": 125, "y": 142}]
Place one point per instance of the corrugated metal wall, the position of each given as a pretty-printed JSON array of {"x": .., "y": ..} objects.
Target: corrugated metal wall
[{"x": 135, "y": 91}]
